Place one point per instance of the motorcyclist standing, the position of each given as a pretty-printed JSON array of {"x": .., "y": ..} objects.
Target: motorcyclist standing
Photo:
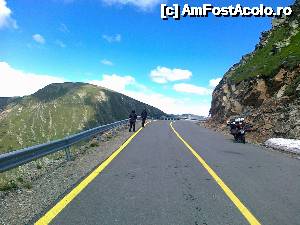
[
  {"x": 144, "y": 117},
  {"x": 132, "y": 120}
]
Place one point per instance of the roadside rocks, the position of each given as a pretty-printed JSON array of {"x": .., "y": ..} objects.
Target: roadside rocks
[{"x": 263, "y": 102}]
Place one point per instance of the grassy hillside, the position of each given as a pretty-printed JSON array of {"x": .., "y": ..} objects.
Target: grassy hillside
[
  {"x": 282, "y": 50},
  {"x": 59, "y": 110},
  {"x": 266, "y": 64}
]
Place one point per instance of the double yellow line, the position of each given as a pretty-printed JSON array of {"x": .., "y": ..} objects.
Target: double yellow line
[{"x": 243, "y": 209}]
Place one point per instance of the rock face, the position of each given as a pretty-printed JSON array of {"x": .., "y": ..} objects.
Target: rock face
[
  {"x": 59, "y": 110},
  {"x": 264, "y": 86}
]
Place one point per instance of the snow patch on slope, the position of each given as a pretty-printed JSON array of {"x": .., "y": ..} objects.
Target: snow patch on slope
[{"x": 288, "y": 145}]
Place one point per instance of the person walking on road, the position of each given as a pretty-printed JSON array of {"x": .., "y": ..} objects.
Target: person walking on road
[
  {"x": 132, "y": 120},
  {"x": 144, "y": 117}
]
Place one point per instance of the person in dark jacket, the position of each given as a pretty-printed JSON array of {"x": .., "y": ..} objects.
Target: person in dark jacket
[
  {"x": 132, "y": 120},
  {"x": 144, "y": 117}
]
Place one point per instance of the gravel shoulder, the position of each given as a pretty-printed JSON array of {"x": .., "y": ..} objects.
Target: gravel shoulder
[{"x": 46, "y": 180}]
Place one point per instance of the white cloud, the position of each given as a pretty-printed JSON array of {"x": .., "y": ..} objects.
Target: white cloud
[
  {"x": 5, "y": 16},
  {"x": 112, "y": 38},
  {"x": 39, "y": 38},
  {"x": 63, "y": 28},
  {"x": 60, "y": 43},
  {"x": 107, "y": 62},
  {"x": 192, "y": 89},
  {"x": 163, "y": 75},
  {"x": 18, "y": 83},
  {"x": 214, "y": 82},
  {"x": 142, "y": 4},
  {"x": 129, "y": 86},
  {"x": 114, "y": 82},
  {"x": 171, "y": 104}
]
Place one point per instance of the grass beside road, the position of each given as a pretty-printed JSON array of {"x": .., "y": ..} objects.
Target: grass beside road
[{"x": 21, "y": 177}]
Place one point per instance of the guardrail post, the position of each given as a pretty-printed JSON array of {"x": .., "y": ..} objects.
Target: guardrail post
[{"x": 68, "y": 154}]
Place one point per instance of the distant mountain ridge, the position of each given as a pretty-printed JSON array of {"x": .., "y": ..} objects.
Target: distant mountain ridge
[
  {"x": 59, "y": 110},
  {"x": 4, "y": 101}
]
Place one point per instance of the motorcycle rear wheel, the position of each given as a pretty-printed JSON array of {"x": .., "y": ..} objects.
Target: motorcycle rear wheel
[{"x": 244, "y": 140}]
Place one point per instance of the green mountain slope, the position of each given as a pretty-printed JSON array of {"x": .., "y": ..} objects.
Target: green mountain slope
[
  {"x": 59, "y": 110},
  {"x": 279, "y": 48}
]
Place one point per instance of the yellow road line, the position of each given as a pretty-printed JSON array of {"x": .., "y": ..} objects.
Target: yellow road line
[
  {"x": 53, "y": 212},
  {"x": 243, "y": 209}
]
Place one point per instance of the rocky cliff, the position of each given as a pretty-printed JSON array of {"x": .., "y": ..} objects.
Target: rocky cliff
[{"x": 264, "y": 86}]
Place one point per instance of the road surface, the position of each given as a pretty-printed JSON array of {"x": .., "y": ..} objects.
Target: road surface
[{"x": 156, "y": 179}]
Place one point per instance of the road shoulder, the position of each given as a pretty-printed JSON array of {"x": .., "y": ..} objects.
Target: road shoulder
[{"x": 47, "y": 184}]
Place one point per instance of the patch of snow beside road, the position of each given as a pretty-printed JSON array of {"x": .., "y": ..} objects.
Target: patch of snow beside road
[{"x": 288, "y": 145}]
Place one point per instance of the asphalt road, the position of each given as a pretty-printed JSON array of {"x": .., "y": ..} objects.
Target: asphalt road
[{"x": 157, "y": 180}]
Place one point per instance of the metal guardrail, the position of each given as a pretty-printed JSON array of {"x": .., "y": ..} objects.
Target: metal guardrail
[{"x": 17, "y": 158}]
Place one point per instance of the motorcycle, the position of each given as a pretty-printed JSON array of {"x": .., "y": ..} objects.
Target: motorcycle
[{"x": 238, "y": 129}]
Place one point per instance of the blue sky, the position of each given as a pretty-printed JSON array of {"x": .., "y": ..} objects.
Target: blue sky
[{"x": 124, "y": 46}]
